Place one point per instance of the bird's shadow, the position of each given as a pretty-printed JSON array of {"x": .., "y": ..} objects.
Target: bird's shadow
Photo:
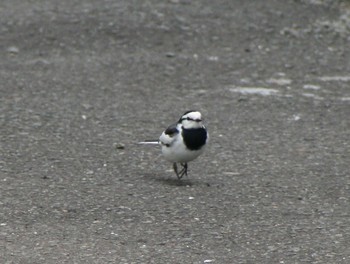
[{"x": 174, "y": 181}]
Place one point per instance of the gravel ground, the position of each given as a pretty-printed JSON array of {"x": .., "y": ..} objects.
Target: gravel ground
[{"x": 83, "y": 81}]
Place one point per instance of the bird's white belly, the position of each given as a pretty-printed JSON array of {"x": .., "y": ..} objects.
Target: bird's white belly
[{"x": 179, "y": 153}]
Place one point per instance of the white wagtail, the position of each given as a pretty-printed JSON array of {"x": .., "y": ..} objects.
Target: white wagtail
[{"x": 183, "y": 141}]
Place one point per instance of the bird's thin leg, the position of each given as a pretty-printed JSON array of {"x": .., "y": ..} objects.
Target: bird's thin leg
[
  {"x": 175, "y": 169},
  {"x": 183, "y": 171}
]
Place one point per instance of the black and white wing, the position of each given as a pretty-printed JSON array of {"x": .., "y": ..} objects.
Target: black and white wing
[{"x": 169, "y": 135}]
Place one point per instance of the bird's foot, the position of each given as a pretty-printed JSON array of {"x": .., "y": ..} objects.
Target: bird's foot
[{"x": 182, "y": 172}]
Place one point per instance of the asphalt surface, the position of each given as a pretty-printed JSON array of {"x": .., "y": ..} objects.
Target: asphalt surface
[{"x": 83, "y": 81}]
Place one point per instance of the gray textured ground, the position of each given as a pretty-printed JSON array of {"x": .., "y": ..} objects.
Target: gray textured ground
[{"x": 82, "y": 81}]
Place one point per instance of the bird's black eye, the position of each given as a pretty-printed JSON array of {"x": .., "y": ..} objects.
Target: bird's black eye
[{"x": 190, "y": 119}]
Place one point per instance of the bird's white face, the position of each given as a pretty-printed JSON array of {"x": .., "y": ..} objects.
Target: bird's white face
[{"x": 191, "y": 119}]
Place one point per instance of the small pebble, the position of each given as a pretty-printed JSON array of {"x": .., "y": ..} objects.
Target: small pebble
[
  {"x": 13, "y": 50},
  {"x": 170, "y": 54},
  {"x": 119, "y": 146}
]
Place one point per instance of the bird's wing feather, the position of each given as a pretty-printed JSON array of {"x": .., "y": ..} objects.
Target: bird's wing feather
[
  {"x": 149, "y": 142},
  {"x": 171, "y": 130},
  {"x": 168, "y": 135}
]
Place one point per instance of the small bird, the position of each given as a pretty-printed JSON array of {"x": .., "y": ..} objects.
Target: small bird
[{"x": 183, "y": 141}]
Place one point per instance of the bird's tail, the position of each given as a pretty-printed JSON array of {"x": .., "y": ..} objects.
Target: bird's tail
[{"x": 149, "y": 142}]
